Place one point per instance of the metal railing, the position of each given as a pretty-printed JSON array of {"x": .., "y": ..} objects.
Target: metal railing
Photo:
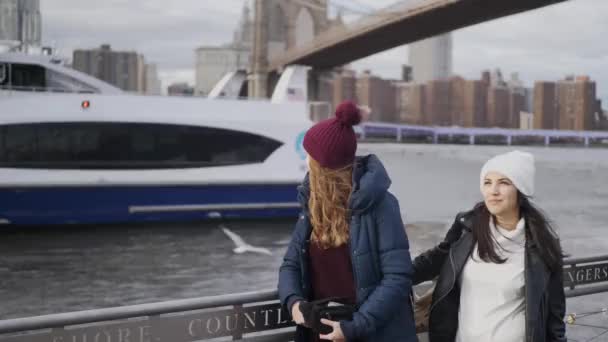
[
  {"x": 399, "y": 132},
  {"x": 580, "y": 273},
  {"x": 252, "y": 316}
]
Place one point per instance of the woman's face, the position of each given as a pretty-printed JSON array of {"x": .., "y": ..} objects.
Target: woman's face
[{"x": 499, "y": 194}]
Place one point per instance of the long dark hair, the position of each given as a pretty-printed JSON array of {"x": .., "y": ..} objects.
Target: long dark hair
[{"x": 538, "y": 230}]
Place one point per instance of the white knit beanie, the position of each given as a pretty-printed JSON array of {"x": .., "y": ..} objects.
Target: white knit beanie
[{"x": 517, "y": 166}]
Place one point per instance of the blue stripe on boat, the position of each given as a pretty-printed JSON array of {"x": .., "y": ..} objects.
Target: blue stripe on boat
[{"x": 116, "y": 204}]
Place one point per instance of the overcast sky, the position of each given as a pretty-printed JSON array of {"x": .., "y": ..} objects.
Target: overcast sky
[{"x": 567, "y": 38}]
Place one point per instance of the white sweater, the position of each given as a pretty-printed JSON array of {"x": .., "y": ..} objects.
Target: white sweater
[{"x": 492, "y": 303}]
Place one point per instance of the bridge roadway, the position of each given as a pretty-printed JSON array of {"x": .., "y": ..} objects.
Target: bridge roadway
[{"x": 401, "y": 24}]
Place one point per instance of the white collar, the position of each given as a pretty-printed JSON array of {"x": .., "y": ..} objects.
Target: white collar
[{"x": 515, "y": 234}]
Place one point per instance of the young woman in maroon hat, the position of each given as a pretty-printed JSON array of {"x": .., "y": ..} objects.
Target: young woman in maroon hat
[{"x": 349, "y": 241}]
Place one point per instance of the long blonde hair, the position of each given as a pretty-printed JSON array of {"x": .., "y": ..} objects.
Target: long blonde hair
[{"x": 328, "y": 204}]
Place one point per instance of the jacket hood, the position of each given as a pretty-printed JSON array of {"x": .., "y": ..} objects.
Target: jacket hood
[{"x": 370, "y": 184}]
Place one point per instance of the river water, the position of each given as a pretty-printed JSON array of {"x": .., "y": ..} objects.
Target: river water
[{"x": 61, "y": 269}]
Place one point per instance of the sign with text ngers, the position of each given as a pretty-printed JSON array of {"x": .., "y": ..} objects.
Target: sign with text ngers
[{"x": 585, "y": 274}]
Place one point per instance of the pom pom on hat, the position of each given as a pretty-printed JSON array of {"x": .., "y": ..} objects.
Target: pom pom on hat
[{"x": 348, "y": 113}]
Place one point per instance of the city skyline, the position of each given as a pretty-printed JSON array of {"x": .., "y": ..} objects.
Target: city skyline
[
  {"x": 431, "y": 58},
  {"x": 169, "y": 36},
  {"x": 489, "y": 100}
]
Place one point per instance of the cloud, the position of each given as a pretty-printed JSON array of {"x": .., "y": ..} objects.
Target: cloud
[
  {"x": 548, "y": 43},
  {"x": 545, "y": 44},
  {"x": 165, "y": 32}
]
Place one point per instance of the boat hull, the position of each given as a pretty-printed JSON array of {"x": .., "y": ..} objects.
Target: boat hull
[{"x": 123, "y": 204}]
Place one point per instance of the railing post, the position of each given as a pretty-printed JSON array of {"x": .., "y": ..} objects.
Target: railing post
[
  {"x": 58, "y": 330},
  {"x": 238, "y": 334},
  {"x": 153, "y": 319},
  {"x": 167, "y": 321},
  {"x": 572, "y": 284},
  {"x": 399, "y": 133}
]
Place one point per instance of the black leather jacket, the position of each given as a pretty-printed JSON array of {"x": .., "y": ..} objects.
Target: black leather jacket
[{"x": 544, "y": 290}]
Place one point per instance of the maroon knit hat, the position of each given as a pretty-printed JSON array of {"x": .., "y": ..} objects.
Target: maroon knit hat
[{"x": 332, "y": 142}]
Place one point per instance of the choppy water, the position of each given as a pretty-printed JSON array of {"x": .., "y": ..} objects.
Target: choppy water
[{"x": 66, "y": 269}]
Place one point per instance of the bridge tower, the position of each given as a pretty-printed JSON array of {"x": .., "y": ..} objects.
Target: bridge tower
[{"x": 280, "y": 25}]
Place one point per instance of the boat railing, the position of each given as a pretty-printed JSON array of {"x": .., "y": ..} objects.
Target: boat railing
[
  {"x": 384, "y": 131},
  {"x": 252, "y": 316}
]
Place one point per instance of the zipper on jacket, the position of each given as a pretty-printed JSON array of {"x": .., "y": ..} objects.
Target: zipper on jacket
[
  {"x": 353, "y": 263},
  {"x": 304, "y": 260},
  {"x": 453, "y": 281},
  {"x": 453, "y": 273},
  {"x": 526, "y": 327}
]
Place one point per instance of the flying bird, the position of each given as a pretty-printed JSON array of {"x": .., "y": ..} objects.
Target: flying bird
[{"x": 241, "y": 245}]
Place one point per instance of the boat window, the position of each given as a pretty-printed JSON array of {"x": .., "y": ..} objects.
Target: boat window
[
  {"x": 97, "y": 145},
  {"x": 28, "y": 77},
  {"x": 84, "y": 140},
  {"x": 20, "y": 144},
  {"x": 145, "y": 144},
  {"x": 54, "y": 143},
  {"x": 59, "y": 82},
  {"x": 3, "y": 74},
  {"x": 2, "y": 152},
  {"x": 168, "y": 144}
]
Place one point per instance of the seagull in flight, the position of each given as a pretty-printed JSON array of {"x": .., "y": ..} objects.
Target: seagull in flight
[{"x": 241, "y": 245}]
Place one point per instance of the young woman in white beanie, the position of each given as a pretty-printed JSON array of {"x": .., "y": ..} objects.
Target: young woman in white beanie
[{"x": 499, "y": 268}]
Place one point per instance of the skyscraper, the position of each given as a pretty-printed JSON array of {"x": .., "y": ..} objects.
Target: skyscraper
[
  {"x": 437, "y": 104},
  {"x": 475, "y": 104},
  {"x": 8, "y": 21},
  {"x": 410, "y": 102},
  {"x": 545, "y": 105},
  {"x": 498, "y": 107},
  {"x": 124, "y": 69},
  {"x": 576, "y": 104},
  {"x": 345, "y": 87},
  {"x": 457, "y": 101},
  {"x": 213, "y": 62},
  {"x": 152, "y": 84},
  {"x": 431, "y": 59},
  {"x": 379, "y": 95},
  {"x": 20, "y": 21}
]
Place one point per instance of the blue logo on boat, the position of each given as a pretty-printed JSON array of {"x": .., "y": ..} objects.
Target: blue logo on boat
[{"x": 300, "y": 145}]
